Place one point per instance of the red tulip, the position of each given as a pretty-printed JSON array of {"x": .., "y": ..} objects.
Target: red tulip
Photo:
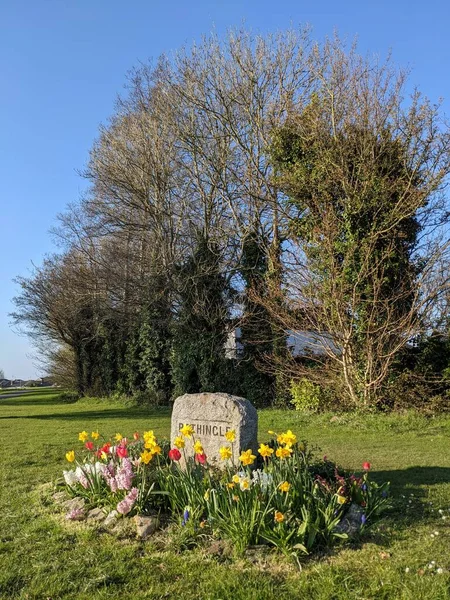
[
  {"x": 366, "y": 466},
  {"x": 89, "y": 445},
  {"x": 122, "y": 451},
  {"x": 174, "y": 454},
  {"x": 200, "y": 458},
  {"x": 105, "y": 448}
]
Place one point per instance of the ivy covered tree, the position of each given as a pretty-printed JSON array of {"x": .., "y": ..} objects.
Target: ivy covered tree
[
  {"x": 364, "y": 177},
  {"x": 257, "y": 382},
  {"x": 199, "y": 328},
  {"x": 146, "y": 365}
]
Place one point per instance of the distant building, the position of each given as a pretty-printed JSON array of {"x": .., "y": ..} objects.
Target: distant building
[
  {"x": 300, "y": 344},
  {"x": 5, "y": 383},
  {"x": 307, "y": 343},
  {"x": 18, "y": 383}
]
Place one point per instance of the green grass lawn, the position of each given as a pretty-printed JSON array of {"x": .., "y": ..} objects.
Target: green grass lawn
[{"x": 43, "y": 557}]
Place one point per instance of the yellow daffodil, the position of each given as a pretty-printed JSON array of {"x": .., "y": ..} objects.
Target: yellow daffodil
[
  {"x": 146, "y": 457},
  {"x": 341, "y": 499},
  {"x": 95, "y": 435},
  {"x": 225, "y": 453},
  {"x": 83, "y": 436},
  {"x": 206, "y": 495},
  {"x": 187, "y": 431},
  {"x": 104, "y": 455},
  {"x": 265, "y": 450},
  {"x": 198, "y": 448},
  {"x": 118, "y": 437},
  {"x": 70, "y": 456},
  {"x": 279, "y": 517},
  {"x": 179, "y": 442},
  {"x": 284, "y": 487},
  {"x": 230, "y": 485},
  {"x": 149, "y": 440},
  {"x": 230, "y": 436},
  {"x": 236, "y": 498},
  {"x": 287, "y": 438},
  {"x": 156, "y": 450},
  {"x": 236, "y": 478},
  {"x": 283, "y": 452},
  {"x": 247, "y": 458}
]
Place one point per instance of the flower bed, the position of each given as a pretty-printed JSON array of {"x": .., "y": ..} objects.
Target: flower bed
[{"x": 279, "y": 496}]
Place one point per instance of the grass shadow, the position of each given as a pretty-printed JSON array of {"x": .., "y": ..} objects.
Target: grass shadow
[
  {"x": 405, "y": 481},
  {"x": 18, "y": 402},
  {"x": 116, "y": 413},
  {"x": 409, "y": 493}
]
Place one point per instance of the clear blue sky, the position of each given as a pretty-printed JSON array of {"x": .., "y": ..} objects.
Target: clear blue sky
[{"x": 64, "y": 61}]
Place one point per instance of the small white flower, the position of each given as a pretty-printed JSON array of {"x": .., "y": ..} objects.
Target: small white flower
[
  {"x": 265, "y": 480},
  {"x": 440, "y": 570},
  {"x": 436, "y": 533},
  {"x": 440, "y": 511},
  {"x": 70, "y": 477},
  {"x": 433, "y": 562},
  {"x": 432, "y": 535},
  {"x": 407, "y": 570}
]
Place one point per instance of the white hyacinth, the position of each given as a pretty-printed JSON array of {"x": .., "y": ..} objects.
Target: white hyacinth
[
  {"x": 70, "y": 477},
  {"x": 265, "y": 480},
  {"x": 93, "y": 469}
]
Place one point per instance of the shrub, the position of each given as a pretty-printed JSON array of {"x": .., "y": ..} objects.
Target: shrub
[
  {"x": 306, "y": 395},
  {"x": 69, "y": 397},
  {"x": 413, "y": 390},
  {"x": 150, "y": 397}
]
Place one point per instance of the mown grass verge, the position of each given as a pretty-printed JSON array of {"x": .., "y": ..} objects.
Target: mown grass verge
[{"x": 42, "y": 557}]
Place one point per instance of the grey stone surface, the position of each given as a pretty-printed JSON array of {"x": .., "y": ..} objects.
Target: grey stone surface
[
  {"x": 96, "y": 514},
  {"x": 145, "y": 526},
  {"x": 76, "y": 503},
  {"x": 111, "y": 518},
  {"x": 59, "y": 497},
  {"x": 211, "y": 416}
]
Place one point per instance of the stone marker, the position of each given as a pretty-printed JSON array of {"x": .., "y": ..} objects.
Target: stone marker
[{"x": 211, "y": 416}]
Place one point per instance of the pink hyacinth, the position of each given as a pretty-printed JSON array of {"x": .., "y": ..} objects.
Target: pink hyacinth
[
  {"x": 127, "y": 503},
  {"x": 108, "y": 474},
  {"x": 82, "y": 477},
  {"x": 125, "y": 475}
]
